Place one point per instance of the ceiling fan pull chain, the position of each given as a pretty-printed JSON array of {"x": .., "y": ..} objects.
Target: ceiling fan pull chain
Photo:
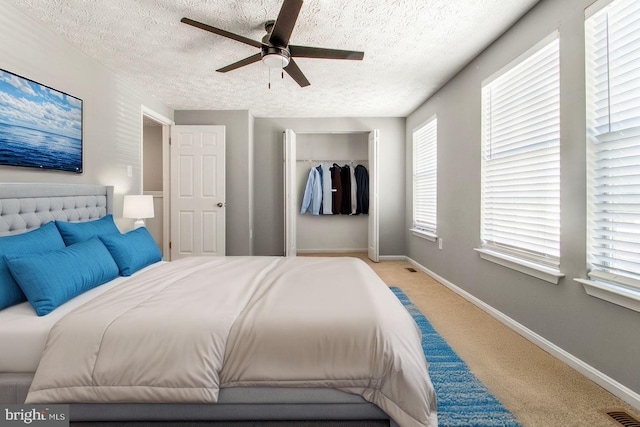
[{"x": 269, "y": 78}]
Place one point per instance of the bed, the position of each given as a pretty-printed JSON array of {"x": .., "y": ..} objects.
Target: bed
[{"x": 202, "y": 339}]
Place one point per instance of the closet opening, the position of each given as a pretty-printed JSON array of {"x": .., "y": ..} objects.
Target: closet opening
[{"x": 348, "y": 229}]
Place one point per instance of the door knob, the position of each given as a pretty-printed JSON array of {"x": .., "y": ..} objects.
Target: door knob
[{"x": 220, "y": 205}]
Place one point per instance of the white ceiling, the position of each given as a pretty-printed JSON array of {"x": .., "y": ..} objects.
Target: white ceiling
[{"x": 412, "y": 47}]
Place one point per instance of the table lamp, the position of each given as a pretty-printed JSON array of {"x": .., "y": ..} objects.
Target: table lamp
[{"x": 139, "y": 207}]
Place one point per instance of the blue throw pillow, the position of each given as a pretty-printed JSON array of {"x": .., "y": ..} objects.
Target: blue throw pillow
[
  {"x": 76, "y": 232},
  {"x": 52, "y": 278},
  {"x": 132, "y": 251},
  {"x": 43, "y": 239}
]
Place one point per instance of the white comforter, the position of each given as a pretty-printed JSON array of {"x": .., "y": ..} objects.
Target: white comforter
[{"x": 180, "y": 332}]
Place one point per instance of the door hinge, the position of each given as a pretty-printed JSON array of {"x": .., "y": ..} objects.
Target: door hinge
[
  {"x": 169, "y": 141},
  {"x": 169, "y": 245}
]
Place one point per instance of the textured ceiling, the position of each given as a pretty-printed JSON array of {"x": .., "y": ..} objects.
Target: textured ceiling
[{"x": 411, "y": 48}]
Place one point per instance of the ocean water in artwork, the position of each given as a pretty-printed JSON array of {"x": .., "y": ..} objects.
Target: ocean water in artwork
[{"x": 22, "y": 146}]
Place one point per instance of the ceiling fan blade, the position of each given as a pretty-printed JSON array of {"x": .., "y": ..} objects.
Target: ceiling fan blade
[
  {"x": 296, "y": 73},
  {"x": 285, "y": 22},
  {"x": 242, "y": 63},
  {"x": 220, "y": 32},
  {"x": 319, "y": 52}
]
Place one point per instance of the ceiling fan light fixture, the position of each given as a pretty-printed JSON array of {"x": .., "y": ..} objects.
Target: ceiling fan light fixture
[
  {"x": 275, "y": 60},
  {"x": 275, "y": 57}
]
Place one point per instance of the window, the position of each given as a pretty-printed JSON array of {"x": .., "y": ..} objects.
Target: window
[
  {"x": 612, "y": 42},
  {"x": 425, "y": 178},
  {"x": 521, "y": 162}
]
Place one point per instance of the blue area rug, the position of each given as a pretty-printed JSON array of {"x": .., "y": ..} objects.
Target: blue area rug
[{"x": 462, "y": 398}]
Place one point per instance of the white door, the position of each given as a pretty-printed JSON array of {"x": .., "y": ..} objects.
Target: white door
[
  {"x": 374, "y": 251},
  {"x": 197, "y": 191},
  {"x": 290, "y": 196}
]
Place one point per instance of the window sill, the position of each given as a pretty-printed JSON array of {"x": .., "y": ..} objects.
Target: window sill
[
  {"x": 424, "y": 234},
  {"x": 616, "y": 294},
  {"x": 541, "y": 272}
]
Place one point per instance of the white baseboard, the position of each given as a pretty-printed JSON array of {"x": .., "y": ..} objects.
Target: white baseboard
[
  {"x": 585, "y": 369},
  {"x": 344, "y": 251},
  {"x": 330, "y": 251},
  {"x": 392, "y": 258}
]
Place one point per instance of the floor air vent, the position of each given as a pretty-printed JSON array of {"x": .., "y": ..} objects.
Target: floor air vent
[
  {"x": 622, "y": 417},
  {"x": 411, "y": 269}
]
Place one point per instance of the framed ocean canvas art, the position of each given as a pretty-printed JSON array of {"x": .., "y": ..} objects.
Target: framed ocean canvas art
[{"x": 40, "y": 127}]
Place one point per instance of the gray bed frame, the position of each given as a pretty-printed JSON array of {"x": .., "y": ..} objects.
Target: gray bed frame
[{"x": 26, "y": 206}]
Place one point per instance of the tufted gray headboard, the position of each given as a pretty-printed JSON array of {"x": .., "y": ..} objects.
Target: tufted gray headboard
[{"x": 25, "y": 206}]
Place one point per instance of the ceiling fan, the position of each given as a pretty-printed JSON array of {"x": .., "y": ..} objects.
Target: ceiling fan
[{"x": 275, "y": 50}]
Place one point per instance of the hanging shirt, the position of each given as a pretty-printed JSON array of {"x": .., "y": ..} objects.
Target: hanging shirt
[
  {"x": 354, "y": 186},
  {"x": 327, "y": 195},
  {"x": 319, "y": 169},
  {"x": 312, "y": 199}
]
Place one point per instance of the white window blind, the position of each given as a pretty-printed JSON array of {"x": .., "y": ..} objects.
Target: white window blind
[
  {"x": 612, "y": 42},
  {"x": 521, "y": 158},
  {"x": 425, "y": 177}
]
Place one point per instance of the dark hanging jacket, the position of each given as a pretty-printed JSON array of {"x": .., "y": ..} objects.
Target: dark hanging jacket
[
  {"x": 336, "y": 189},
  {"x": 362, "y": 192},
  {"x": 345, "y": 174}
]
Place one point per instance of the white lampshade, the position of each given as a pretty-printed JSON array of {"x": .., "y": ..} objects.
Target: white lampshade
[{"x": 139, "y": 207}]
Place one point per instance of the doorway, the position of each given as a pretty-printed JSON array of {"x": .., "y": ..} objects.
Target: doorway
[{"x": 156, "y": 130}]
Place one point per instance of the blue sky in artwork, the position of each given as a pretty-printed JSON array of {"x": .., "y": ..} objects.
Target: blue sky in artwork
[{"x": 28, "y": 104}]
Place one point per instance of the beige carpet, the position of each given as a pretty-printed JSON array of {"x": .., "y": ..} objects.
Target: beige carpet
[{"x": 536, "y": 387}]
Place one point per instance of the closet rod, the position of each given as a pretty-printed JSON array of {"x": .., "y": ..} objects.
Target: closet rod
[{"x": 332, "y": 161}]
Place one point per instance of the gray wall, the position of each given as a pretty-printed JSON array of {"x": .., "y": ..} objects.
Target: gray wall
[
  {"x": 251, "y": 162},
  {"x": 112, "y": 115},
  {"x": 269, "y": 184},
  {"x": 239, "y": 174},
  {"x": 601, "y": 334}
]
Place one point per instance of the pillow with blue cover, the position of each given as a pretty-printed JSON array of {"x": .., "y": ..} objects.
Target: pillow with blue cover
[
  {"x": 132, "y": 251},
  {"x": 52, "y": 278},
  {"x": 76, "y": 232},
  {"x": 43, "y": 239}
]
